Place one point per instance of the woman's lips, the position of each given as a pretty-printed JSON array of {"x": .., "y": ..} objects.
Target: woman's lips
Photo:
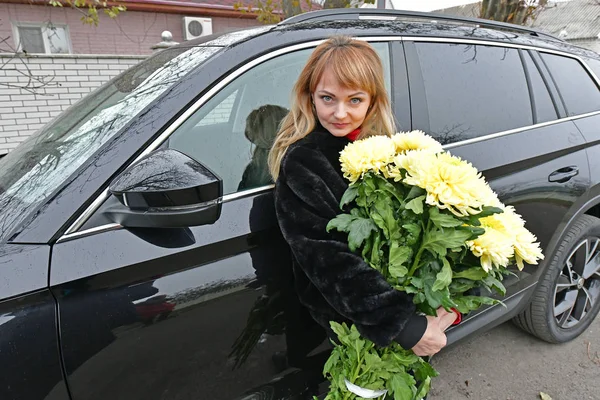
[{"x": 340, "y": 126}]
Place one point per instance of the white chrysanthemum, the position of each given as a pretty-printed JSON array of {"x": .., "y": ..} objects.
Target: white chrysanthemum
[
  {"x": 372, "y": 154},
  {"x": 505, "y": 237},
  {"x": 415, "y": 140},
  {"x": 450, "y": 182}
]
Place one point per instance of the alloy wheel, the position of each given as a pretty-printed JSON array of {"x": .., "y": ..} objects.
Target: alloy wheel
[{"x": 578, "y": 286}]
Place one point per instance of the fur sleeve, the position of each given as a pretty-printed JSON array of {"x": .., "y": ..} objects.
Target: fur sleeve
[{"x": 307, "y": 197}]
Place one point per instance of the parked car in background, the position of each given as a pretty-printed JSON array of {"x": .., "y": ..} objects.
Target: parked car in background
[{"x": 140, "y": 256}]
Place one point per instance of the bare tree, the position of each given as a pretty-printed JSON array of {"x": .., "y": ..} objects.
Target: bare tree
[{"x": 514, "y": 11}]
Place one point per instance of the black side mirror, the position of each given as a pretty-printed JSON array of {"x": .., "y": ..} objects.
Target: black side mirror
[{"x": 166, "y": 189}]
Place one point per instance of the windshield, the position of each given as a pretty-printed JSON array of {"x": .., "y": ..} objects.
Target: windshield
[{"x": 40, "y": 165}]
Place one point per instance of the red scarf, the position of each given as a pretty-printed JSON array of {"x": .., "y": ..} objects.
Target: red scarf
[{"x": 352, "y": 136}]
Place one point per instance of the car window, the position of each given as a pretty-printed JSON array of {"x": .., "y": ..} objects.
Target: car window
[
  {"x": 542, "y": 102},
  {"x": 594, "y": 65},
  {"x": 233, "y": 132},
  {"x": 577, "y": 89},
  {"x": 41, "y": 164},
  {"x": 473, "y": 90}
]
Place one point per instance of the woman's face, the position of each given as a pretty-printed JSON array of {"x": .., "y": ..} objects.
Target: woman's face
[{"x": 340, "y": 110}]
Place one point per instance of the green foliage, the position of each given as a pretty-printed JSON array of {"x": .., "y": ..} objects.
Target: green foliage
[
  {"x": 362, "y": 363},
  {"x": 419, "y": 249},
  {"x": 89, "y": 9}
]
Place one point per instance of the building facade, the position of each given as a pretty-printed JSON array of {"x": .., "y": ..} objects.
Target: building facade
[{"x": 50, "y": 60}]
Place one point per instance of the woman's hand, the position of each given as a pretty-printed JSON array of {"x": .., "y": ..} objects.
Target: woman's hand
[{"x": 434, "y": 338}]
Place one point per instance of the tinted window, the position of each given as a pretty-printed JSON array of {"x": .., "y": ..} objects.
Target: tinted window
[
  {"x": 233, "y": 132},
  {"x": 473, "y": 90},
  {"x": 543, "y": 105},
  {"x": 594, "y": 65},
  {"x": 576, "y": 87}
]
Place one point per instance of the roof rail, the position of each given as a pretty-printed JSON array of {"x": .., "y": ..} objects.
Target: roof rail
[{"x": 375, "y": 13}]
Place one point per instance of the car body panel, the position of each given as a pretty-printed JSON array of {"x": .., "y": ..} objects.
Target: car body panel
[
  {"x": 181, "y": 309},
  {"x": 30, "y": 367}
]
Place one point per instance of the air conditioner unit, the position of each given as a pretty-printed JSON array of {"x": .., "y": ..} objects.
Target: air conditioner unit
[{"x": 194, "y": 27}]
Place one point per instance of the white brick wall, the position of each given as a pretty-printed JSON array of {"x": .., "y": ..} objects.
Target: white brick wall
[{"x": 70, "y": 78}]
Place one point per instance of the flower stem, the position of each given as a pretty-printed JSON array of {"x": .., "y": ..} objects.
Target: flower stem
[{"x": 415, "y": 264}]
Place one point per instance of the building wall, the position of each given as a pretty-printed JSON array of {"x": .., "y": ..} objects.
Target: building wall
[
  {"x": 68, "y": 78},
  {"x": 131, "y": 32},
  {"x": 592, "y": 44}
]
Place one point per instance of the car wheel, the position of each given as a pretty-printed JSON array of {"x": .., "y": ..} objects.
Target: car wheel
[{"x": 568, "y": 296}]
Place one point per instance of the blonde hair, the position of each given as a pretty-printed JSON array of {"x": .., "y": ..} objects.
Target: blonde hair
[{"x": 356, "y": 65}]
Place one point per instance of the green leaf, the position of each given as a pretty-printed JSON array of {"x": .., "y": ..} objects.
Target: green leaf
[
  {"x": 360, "y": 229},
  {"x": 466, "y": 304},
  {"x": 416, "y": 205},
  {"x": 349, "y": 195},
  {"x": 424, "y": 371},
  {"x": 341, "y": 330},
  {"x": 475, "y": 231},
  {"x": 415, "y": 192},
  {"x": 444, "y": 277},
  {"x": 385, "y": 186},
  {"x": 341, "y": 223},
  {"x": 459, "y": 286},
  {"x": 399, "y": 255},
  {"x": 437, "y": 241},
  {"x": 401, "y": 386},
  {"x": 423, "y": 388},
  {"x": 413, "y": 229},
  {"x": 495, "y": 284},
  {"x": 417, "y": 282},
  {"x": 375, "y": 253},
  {"x": 405, "y": 357},
  {"x": 372, "y": 361},
  {"x": 383, "y": 206},
  {"x": 485, "y": 212},
  {"x": 443, "y": 220},
  {"x": 331, "y": 361},
  {"x": 434, "y": 298},
  {"x": 474, "y": 274}
]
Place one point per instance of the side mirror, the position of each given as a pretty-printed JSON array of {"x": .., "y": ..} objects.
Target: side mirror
[{"x": 166, "y": 189}]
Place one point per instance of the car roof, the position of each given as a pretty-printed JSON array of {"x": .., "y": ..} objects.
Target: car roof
[{"x": 379, "y": 22}]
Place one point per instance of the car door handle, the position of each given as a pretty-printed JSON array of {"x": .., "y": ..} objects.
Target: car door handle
[{"x": 564, "y": 174}]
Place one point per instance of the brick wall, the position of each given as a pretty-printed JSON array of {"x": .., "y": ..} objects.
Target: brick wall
[
  {"x": 70, "y": 78},
  {"x": 131, "y": 32}
]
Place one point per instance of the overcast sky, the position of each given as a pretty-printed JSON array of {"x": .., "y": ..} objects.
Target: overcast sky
[{"x": 430, "y": 5}]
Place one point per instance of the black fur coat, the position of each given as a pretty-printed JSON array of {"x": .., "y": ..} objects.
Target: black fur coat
[{"x": 333, "y": 282}]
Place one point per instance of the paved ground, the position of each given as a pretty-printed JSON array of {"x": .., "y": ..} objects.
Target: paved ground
[{"x": 508, "y": 364}]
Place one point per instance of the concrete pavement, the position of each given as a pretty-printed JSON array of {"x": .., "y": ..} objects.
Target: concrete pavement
[{"x": 509, "y": 364}]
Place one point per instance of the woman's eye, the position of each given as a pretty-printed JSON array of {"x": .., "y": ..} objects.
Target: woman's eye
[
  {"x": 355, "y": 100},
  {"x": 326, "y": 98}
]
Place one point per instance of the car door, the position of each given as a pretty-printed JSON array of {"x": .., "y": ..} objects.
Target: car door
[
  {"x": 493, "y": 106},
  {"x": 205, "y": 312},
  {"x": 30, "y": 367}
]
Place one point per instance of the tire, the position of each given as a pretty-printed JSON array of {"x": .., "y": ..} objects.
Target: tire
[{"x": 567, "y": 298}]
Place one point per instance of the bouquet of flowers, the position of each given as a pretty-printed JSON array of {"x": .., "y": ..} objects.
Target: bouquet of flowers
[{"x": 431, "y": 225}]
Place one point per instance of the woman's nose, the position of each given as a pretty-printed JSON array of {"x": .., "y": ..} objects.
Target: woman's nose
[{"x": 340, "y": 111}]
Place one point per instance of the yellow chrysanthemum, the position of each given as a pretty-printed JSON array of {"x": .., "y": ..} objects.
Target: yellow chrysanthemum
[
  {"x": 372, "y": 154},
  {"x": 450, "y": 182},
  {"x": 505, "y": 237},
  {"x": 494, "y": 248},
  {"x": 525, "y": 243},
  {"x": 415, "y": 140}
]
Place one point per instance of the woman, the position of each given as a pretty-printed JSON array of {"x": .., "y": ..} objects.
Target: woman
[{"x": 340, "y": 96}]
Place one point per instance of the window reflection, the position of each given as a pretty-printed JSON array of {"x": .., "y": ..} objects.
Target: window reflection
[{"x": 473, "y": 90}]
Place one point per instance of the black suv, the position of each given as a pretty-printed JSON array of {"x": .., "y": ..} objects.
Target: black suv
[{"x": 140, "y": 256}]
